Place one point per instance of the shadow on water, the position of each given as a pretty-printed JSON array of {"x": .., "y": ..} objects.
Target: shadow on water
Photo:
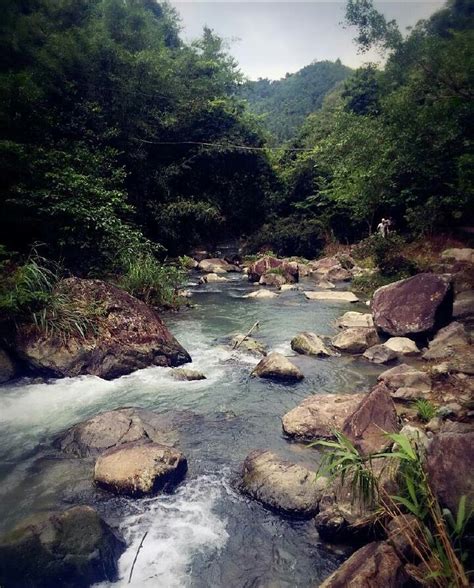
[{"x": 205, "y": 533}]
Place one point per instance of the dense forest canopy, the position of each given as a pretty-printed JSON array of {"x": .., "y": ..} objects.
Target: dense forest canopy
[
  {"x": 286, "y": 103},
  {"x": 118, "y": 137}
]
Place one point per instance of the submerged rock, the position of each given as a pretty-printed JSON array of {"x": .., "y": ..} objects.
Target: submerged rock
[
  {"x": 129, "y": 336},
  {"x": 263, "y": 294},
  {"x": 183, "y": 374},
  {"x": 356, "y": 339},
  {"x": 281, "y": 485},
  {"x": 355, "y": 319},
  {"x": 71, "y": 548},
  {"x": 139, "y": 468},
  {"x": 277, "y": 367},
  {"x": 416, "y": 306},
  {"x": 375, "y": 565},
  {"x": 310, "y": 344},
  {"x": 334, "y": 296},
  {"x": 240, "y": 341},
  {"x": 113, "y": 428},
  {"x": 374, "y": 417},
  {"x": 319, "y": 415}
]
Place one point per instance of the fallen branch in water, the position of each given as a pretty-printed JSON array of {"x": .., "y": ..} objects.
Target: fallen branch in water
[
  {"x": 237, "y": 344},
  {"x": 136, "y": 555}
]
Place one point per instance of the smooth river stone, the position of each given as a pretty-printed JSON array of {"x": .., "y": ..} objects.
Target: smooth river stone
[{"x": 332, "y": 296}]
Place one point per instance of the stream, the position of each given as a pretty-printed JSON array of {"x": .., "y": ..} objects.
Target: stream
[{"x": 205, "y": 534}]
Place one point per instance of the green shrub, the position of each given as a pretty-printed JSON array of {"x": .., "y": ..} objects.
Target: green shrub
[
  {"x": 149, "y": 280},
  {"x": 385, "y": 251},
  {"x": 290, "y": 236},
  {"x": 424, "y": 409}
]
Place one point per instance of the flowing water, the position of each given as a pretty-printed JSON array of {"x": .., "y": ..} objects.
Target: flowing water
[{"x": 205, "y": 534}]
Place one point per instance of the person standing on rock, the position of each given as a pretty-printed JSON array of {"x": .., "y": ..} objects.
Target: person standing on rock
[{"x": 382, "y": 227}]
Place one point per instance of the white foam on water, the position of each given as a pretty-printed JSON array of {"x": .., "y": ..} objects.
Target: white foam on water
[
  {"x": 285, "y": 349},
  {"x": 179, "y": 527}
]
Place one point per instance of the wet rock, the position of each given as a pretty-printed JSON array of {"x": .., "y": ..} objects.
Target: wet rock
[
  {"x": 405, "y": 376},
  {"x": 139, "y": 468},
  {"x": 450, "y": 463},
  {"x": 274, "y": 279},
  {"x": 459, "y": 254},
  {"x": 129, "y": 336},
  {"x": 71, "y": 548},
  {"x": 375, "y": 416},
  {"x": 380, "y": 354},
  {"x": 334, "y": 296},
  {"x": 215, "y": 266},
  {"x": 310, "y": 344},
  {"x": 355, "y": 340},
  {"x": 375, "y": 565},
  {"x": 402, "y": 346},
  {"x": 289, "y": 269},
  {"x": 463, "y": 308},
  {"x": 182, "y": 374},
  {"x": 7, "y": 367},
  {"x": 416, "y": 306},
  {"x": 261, "y": 294},
  {"x": 212, "y": 278},
  {"x": 281, "y": 485},
  {"x": 277, "y": 367},
  {"x": 288, "y": 287},
  {"x": 113, "y": 428},
  {"x": 447, "y": 342},
  {"x": 352, "y": 319},
  {"x": 249, "y": 344},
  {"x": 319, "y": 415}
]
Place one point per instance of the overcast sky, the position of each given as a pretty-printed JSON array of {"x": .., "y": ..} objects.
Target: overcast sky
[{"x": 270, "y": 39}]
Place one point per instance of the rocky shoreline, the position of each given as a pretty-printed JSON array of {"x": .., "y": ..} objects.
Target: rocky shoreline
[{"x": 418, "y": 330}]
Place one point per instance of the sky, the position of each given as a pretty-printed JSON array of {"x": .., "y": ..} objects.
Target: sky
[{"x": 271, "y": 38}]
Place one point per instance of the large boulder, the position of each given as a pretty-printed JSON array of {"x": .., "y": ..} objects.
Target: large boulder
[
  {"x": 308, "y": 343},
  {"x": 355, "y": 319},
  {"x": 139, "y": 468},
  {"x": 447, "y": 342},
  {"x": 368, "y": 425},
  {"x": 215, "y": 266},
  {"x": 450, "y": 463},
  {"x": 338, "y": 274},
  {"x": 281, "y": 485},
  {"x": 332, "y": 296},
  {"x": 288, "y": 269},
  {"x": 416, "y": 306},
  {"x": 71, "y": 548},
  {"x": 463, "y": 308},
  {"x": 128, "y": 335},
  {"x": 113, "y": 428},
  {"x": 402, "y": 346},
  {"x": 375, "y": 565},
  {"x": 7, "y": 367},
  {"x": 272, "y": 279},
  {"x": 277, "y": 367},
  {"x": 355, "y": 339},
  {"x": 319, "y": 415}
]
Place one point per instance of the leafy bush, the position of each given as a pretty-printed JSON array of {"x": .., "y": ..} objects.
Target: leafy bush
[
  {"x": 290, "y": 236},
  {"x": 385, "y": 252},
  {"x": 147, "y": 279}
]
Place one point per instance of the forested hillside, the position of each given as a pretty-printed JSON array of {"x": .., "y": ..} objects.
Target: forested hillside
[{"x": 287, "y": 102}]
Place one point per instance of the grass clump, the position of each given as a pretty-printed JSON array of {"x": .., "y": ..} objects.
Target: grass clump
[{"x": 425, "y": 409}]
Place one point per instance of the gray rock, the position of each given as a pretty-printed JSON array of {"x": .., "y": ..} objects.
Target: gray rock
[
  {"x": 272, "y": 279},
  {"x": 405, "y": 376},
  {"x": 355, "y": 319},
  {"x": 212, "y": 278},
  {"x": 281, "y": 485},
  {"x": 402, "y": 346},
  {"x": 459, "y": 254},
  {"x": 380, "y": 354},
  {"x": 139, "y": 468},
  {"x": 277, "y": 367},
  {"x": 261, "y": 294},
  {"x": 447, "y": 342},
  {"x": 71, "y": 548},
  {"x": 215, "y": 266},
  {"x": 183, "y": 374},
  {"x": 113, "y": 428},
  {"x": 463, "y": 308},
  {"x": 7, "y": 367},
  {"x": 310, "y": 344},
  {"x": 332, "y": 296},
  {"x": 249, "y": 344},
  {"x": 355, "y": 340}
]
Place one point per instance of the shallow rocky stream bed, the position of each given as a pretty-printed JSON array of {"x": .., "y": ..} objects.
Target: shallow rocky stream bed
[{"x": 205, "y": 533}]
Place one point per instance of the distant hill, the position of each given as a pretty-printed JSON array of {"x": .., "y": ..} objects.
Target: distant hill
[{"x": 288, "y": 101}]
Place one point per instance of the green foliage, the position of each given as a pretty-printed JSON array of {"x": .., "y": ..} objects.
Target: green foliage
[
  {"x": 385, "y": 252},
  {"x": 293, "y": 235},
  {"x": 285, "y": 103},
  {"x": 155, "y": 283},
  {"x": 424, "y": 409}
]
